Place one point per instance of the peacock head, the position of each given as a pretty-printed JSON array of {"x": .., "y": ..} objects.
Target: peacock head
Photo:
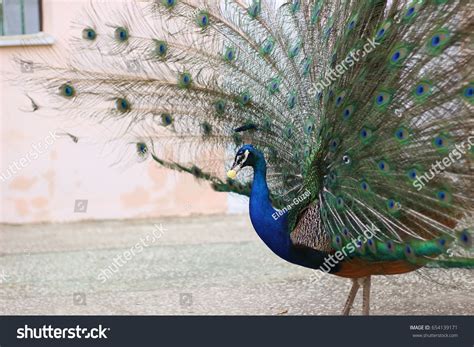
[{"x": 247, "y": 155}]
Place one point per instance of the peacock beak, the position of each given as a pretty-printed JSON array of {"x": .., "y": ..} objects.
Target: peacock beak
[
  {"x": 238, "y": 164},
  {"x": 232, "y": 173}
]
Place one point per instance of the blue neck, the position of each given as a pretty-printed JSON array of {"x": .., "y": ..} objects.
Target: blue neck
[{"x": 273, "y": 231}]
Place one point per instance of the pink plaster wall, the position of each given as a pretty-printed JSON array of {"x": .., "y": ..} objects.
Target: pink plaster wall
[{"x": 47, "y": 187}]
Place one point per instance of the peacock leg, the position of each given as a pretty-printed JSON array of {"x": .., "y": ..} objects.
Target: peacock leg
[
  {"x": 366, "y": 296},
  {"x": 351, "y": 297}
]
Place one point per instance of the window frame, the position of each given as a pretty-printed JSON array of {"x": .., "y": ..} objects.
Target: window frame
[{"x": 33, "y": 39}]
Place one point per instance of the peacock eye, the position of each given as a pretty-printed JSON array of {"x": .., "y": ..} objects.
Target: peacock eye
[
  {"x": 185, "y": 80},
  {"x": 121, "y": 34},
  {"x": 166, "y": 119},
  {"x": 161, "y": 48},
  {"x": 67, "y": 90},
  {"x": 229, "y": 54},
  {"x": 254, "y": 9},
  {"x": 202, "y": 19},
  {"x": 346, "y": 159},
  {"x": 142, "y": 149},
  {"x": 89, "y": 34},
  {"x": 122, "y": 105},
  {"x": 169, "y": 3}
]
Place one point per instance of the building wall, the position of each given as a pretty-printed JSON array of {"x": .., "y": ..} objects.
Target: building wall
[{"x": 47, "y": 185}]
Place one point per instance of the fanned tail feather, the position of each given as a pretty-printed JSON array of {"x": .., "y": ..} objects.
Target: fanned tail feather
[{"x": 355, "y": 101}]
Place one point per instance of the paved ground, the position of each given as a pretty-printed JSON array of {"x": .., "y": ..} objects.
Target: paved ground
[{"x": 199, "y": 265}]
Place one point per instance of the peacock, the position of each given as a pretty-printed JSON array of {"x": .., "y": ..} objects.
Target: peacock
[{"x": 351, "y": 121}]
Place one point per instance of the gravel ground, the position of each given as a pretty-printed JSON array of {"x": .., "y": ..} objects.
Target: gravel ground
[{"x": 197, "y": 265}]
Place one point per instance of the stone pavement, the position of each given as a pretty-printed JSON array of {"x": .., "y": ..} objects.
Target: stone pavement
[{"x": 212, "y": 265}]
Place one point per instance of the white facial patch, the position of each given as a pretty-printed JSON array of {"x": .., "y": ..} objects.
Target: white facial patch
[{"x": 241, "y": 162}]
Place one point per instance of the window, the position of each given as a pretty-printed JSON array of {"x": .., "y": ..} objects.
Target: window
[{"x": 20, "y": 17}]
